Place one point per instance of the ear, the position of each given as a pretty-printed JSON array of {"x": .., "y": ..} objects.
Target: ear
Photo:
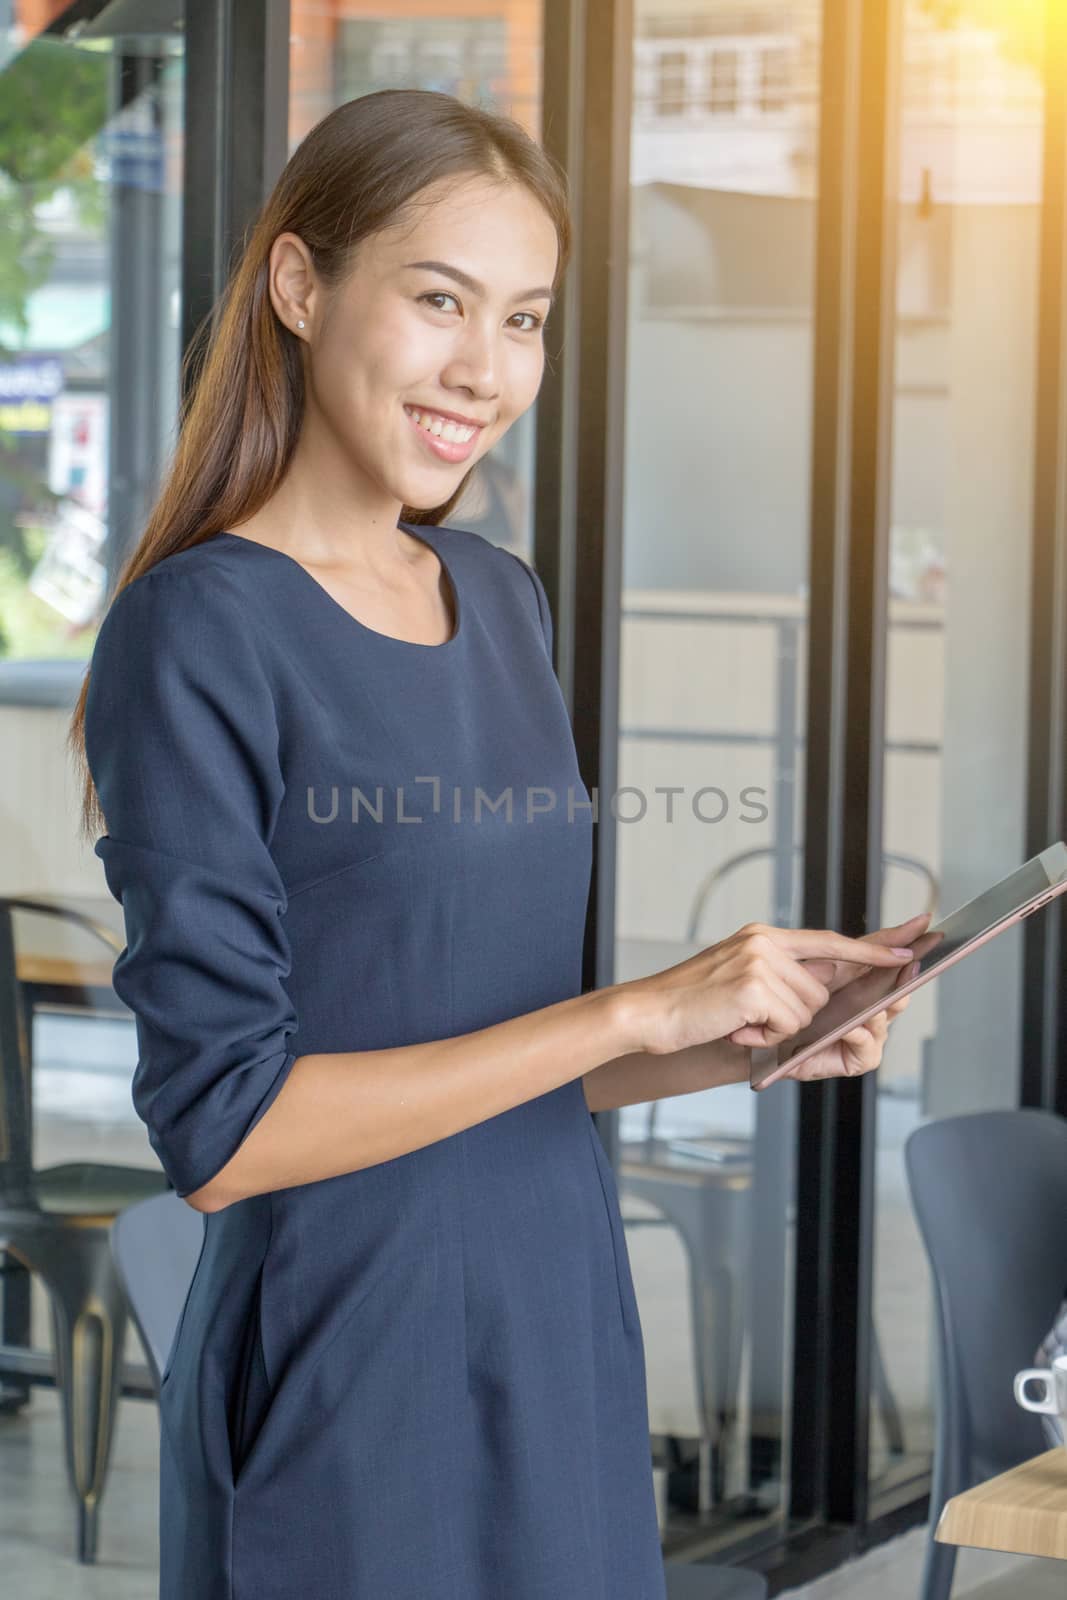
[{"x": 293, "y": 284}]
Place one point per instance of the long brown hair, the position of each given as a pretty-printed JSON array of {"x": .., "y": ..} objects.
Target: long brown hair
[{"x": 351, "y": 176}]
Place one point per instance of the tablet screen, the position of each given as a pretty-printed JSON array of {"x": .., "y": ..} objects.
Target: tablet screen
[{"x": 949, "y": 939}]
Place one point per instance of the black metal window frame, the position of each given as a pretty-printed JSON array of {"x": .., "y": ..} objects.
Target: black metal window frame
[
  {"x": 1044, "y": 1011},
  {"x": 236, "y": 137}
]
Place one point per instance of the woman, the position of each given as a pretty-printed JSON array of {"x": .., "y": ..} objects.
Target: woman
[{"x": 409, "y": 1366}]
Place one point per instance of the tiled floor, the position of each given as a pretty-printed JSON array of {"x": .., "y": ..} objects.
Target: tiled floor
[
  {"x": 894, "y": 1570},
  {"x": 37, "y": 1518}
]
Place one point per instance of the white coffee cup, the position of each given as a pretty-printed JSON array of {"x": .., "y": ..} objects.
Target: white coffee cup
[{"x": 1053, "y": 1380}]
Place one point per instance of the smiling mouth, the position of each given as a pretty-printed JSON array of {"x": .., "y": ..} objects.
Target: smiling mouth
[
  {"x": 440, "y": 427},
  {"x": 448, "y": 441}
]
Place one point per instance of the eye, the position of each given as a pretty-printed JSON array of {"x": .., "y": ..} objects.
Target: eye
[
  {"x": 438, "y": 294},
  {"x": 443, "y": 294}
]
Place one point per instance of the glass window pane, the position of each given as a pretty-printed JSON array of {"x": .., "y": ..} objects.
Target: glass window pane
[
  {"x": 714, "y": 632},
  {"x": 958, "y": 646},
  {"x": 670, "y": 91},
  {"x": 774, "y": 79},
  {"x": 90, "y": 219},
  {"x": 723, "y": 79}
]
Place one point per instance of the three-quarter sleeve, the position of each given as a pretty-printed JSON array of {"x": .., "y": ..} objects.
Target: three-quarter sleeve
[
  {"x": 543, "y": 611},
  {"x": 182, "y": 742}
]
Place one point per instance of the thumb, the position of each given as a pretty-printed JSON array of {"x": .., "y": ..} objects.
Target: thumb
[{"x": 823, "y": 970}]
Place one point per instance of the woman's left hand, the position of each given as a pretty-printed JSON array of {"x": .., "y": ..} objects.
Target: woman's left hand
[
  {"x": 856, "y": 1052},
  {"x": 861, "y": 1049}
]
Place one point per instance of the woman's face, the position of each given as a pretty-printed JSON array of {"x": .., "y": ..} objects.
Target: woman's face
[{"x": 397, "y": 343}]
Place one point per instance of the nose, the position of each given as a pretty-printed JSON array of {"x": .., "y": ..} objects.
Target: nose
[{"x": 473, "y": 364}]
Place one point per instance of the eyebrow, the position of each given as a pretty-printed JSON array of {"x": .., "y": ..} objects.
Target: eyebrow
[{"x": 467, "y": 282}]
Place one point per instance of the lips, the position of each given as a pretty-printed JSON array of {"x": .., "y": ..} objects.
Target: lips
[
  {"x": 450, "y": 450},
  {"x": 449, "y": 416}
]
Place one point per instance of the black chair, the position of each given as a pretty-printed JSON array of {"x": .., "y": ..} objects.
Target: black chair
[
  {"x": 56, "y": 1222},
  {"x": 156, "y": 1245},
  {"x": 697, "y": 1581},
  {"x": 990, "y": 1196}
]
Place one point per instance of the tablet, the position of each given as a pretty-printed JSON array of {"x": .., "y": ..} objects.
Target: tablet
[{"x": 1019, "y": 895}]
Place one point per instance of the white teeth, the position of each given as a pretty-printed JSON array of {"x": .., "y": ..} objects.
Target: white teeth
[{"x": 453, "y": 432}]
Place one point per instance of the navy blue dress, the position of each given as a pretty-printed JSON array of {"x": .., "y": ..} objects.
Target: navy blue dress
[{"x": 423, "y": 1380}]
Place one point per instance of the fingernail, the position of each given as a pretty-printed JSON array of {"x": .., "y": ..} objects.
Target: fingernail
[{"x": 906, "y": 954}]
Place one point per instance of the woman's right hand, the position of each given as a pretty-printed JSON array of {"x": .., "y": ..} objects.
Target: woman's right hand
[{"x": 752, "y": 987}]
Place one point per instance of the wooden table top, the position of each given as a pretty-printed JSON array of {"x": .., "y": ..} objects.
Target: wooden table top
[
  {"x": 44, "y": 954},
  {"x": 1023, "y": 1511},
  {"x": 58, "y": 972},
  {"x": 643, "y": 1158}
]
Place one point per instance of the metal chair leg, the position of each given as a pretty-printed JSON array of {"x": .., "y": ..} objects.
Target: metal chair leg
[
  {"x": 938, "y": 1569},
  {"x": 15, "y": 1284},
  {"x": 887, "y": 1403},
  {"x": 89, "y": 1317},
  {"x": 705, "y": 1475}
]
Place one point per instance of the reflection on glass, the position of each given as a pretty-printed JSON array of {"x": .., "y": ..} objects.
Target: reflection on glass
[
  {"x": 90, "y": 206},
  {"x": 723, "y": 162},
  {"x": 966, "y": 303},
  {"x": 339, "y": 51}
]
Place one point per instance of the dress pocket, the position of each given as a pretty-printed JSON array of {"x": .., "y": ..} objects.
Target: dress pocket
[
  {"x": 609, "y": 1192},
  {"x": 252, "y": 1394},
  {"x": 168, "y": 1364}
]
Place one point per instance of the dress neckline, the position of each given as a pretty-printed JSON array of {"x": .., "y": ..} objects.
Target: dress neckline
[{"x": 418, "y": 533}]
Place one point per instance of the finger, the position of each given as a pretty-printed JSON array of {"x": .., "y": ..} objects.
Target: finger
[
  {"x": 787, "y": 1012},
  {"x": 899, "y": 935},
  {"x": 875, "y": 1028},
  {"x": 905, "y": 977},
  {"x": 824, "y": 971},
  {"x": 784, "y": 1017},
  {"x": 836, "y": 974},
  {"x": 859, "y": 1052},
  {"x": 798, "y": 976},
  {"x": 901, "y": 932},
  {"x": 812, "y": 943},
  {"x": 864, "y": 1049},
  {"x": 752, "y": 1036}
]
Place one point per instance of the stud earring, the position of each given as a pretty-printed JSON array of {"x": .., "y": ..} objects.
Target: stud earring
[{"x": 300, "y": 324}]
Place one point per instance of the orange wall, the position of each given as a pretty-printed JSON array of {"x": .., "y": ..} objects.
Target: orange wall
[
  {"x": 35, "y": 15},
  {"x": 313, "y": 27}
]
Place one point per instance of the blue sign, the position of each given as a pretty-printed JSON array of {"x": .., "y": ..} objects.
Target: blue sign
[{"x": 28, "y": 385}]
